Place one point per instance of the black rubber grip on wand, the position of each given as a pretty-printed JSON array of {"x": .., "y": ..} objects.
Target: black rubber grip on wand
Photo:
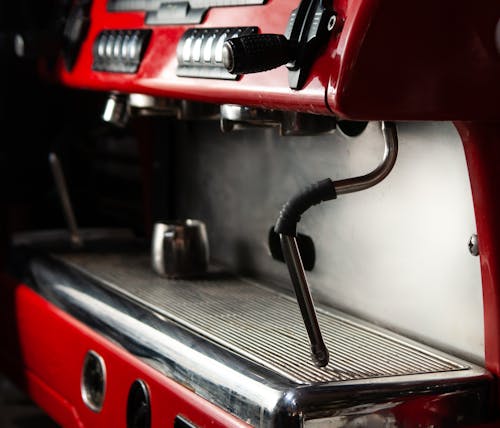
[
  {"x": 255, "y": 53},
  {"x": 291, "y": 212}
]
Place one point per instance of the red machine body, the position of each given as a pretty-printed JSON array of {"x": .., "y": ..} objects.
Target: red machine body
[
  {"x": 388, "y": 60},
  {"x": 51, "y": 369}
]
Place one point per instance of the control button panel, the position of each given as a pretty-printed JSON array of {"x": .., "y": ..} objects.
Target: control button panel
[
  {"x": 120, "y": 51},
  {"x": 199, "y": 52}
]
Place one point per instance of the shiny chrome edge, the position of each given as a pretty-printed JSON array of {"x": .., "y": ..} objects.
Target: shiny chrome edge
[
  {"x": 83, "y": 390},
  {"x": 452, "y": 409},
  {"x": 237, "y": 385},
  {"x": 251, "y": 392}
]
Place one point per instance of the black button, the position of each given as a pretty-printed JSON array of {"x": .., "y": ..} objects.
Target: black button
[{"x": 138, "y": 406}]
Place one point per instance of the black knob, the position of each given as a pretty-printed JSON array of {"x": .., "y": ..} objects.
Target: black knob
[
  {"x": 255, "y": 53},
  {"x": 138, "y": 406}
]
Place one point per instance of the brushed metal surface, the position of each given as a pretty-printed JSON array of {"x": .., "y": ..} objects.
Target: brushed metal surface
[
  {"x": 395, "y": 254},
  {"x": 261, "y": 324}
]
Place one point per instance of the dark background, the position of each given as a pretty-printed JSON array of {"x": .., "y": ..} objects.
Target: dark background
[{"x": 101, "y": 163}]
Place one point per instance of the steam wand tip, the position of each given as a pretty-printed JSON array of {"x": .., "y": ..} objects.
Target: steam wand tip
[{"x": 320, "y": 355}]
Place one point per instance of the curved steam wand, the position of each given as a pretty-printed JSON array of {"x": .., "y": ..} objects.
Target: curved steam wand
[{"x": 286, "y": 227}]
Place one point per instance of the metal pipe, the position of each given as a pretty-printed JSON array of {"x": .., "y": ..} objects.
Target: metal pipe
[
  {"x": 293, "y": 261},
  {"x": 320, "y": 354},
  {"x": 62, "y": 191},
  {"x": 356, "y": 184}
]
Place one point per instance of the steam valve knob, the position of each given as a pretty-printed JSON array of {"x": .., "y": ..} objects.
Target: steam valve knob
[{"x": 256, "y": 52}]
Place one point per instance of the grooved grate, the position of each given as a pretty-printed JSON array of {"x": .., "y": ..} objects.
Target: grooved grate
[{"x": 263, "y": 325}]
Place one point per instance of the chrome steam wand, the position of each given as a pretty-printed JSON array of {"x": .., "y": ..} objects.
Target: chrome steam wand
[{"x": 286, "y": 227}]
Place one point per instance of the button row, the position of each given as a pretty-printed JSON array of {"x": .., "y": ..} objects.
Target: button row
[
  {"x": 120, "y": 50},
  {"x": 199, "y": 52}
]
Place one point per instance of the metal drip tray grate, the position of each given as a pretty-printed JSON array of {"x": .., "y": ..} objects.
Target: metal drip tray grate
[{"x": 263, "y": 325}]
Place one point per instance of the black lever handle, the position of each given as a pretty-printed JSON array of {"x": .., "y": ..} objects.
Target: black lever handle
[
  {"x": 255, "y": 53},
  {"x": 308, "y": 29}
]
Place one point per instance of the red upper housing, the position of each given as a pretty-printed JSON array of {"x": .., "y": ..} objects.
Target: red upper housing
[{"x": 391, "y": 60}]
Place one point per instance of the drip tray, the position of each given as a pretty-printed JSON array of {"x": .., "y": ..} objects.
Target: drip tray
[
  {"x": 263, "y": 325},
  {"x": 244, "y": 347}
]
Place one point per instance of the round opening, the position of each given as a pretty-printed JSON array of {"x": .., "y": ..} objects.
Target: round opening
[
  {"x": 138, "y": 406},
  {"x": 93, "y": 382},
  {"x": 352, "y": 128}
]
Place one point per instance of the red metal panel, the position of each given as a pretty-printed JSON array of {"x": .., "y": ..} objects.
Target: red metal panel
[
  {"x": 52, "y": 348},
  {"x": 53, "y": 403},
  {"x": 482, "y": 149},
  {"x": 157, "y": 73},
  {"x": 425, "y": 60},
  {"x": 393, "y": 60}
]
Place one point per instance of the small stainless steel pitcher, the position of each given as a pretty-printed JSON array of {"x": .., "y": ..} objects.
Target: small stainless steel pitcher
[{"x": 180, "y": 248}]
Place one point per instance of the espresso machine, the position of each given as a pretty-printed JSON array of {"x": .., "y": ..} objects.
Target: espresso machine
[{"x": 263, "y": 213}]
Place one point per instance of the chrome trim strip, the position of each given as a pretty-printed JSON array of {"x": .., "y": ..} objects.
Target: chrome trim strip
[{"x": 213, "y": 373}]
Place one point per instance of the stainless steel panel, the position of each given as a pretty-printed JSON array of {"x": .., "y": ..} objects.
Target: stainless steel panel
[{"x": 396, "y": 254}]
